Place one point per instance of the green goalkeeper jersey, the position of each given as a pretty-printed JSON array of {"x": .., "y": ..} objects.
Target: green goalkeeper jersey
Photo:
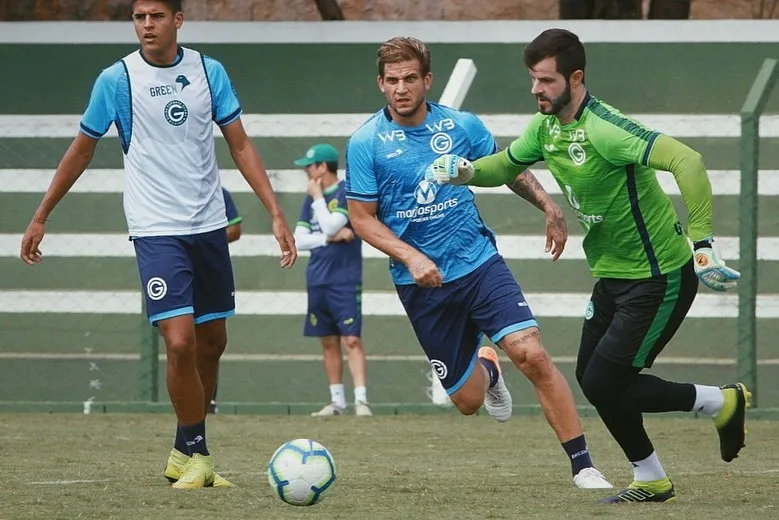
[{"x": 602, "y": 162}]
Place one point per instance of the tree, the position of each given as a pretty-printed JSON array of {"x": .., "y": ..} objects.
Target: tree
[
  {"x": 669, "y": 9},
  {"x": 623, "y": 9},
  {"x": 329, "y": 10}
]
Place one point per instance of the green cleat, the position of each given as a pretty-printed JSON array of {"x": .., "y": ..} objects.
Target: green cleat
[
  {"x": 657, "y": 491},
  {"x": 731, "y": 419}
]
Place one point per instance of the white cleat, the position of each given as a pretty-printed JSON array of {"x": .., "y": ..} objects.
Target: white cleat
[
  {"x": 363, "y": 410},
  {"x": 591, "y": 478},
  {"x": 329, "y": 410},
  {"x": 498, "y": 400}
]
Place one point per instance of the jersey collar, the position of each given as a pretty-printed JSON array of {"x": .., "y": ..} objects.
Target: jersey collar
[
  {"x": 179, "y": 55},
  {"x": 388, "y": 115},
  {"x": 585, "y": 102}
]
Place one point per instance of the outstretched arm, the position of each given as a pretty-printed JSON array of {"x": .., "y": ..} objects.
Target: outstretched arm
[{"x": 73, "y": 163}]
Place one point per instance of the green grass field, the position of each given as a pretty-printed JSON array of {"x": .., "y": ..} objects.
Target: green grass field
[{"x": 407, "y": 467}]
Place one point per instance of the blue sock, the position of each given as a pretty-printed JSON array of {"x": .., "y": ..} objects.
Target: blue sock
[
  {"x": 492, "y": 370},
  {"x": 579, "y": 454},
  {"x": 180, "y": 443},
  {"x": 195, "y": 436}
]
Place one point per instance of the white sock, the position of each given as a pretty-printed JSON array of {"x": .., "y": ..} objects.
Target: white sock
[
  {"x": 708, "y": 400},
  {"x": 360, "y": 394},
  {"x": 338, "y": 396},
  {"x": 648, "y": 469}
]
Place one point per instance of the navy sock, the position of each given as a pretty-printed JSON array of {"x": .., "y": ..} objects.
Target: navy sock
[
  {"x": 195, "y": 436},
  {"x": 180, "y": 443},
  {"x": 578, "y": 453},
  {"x": 492, "y": 370}
]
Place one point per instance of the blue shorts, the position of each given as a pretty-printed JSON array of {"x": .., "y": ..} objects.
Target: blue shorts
[
  {"x": 187, "y": 274},
  {"x": 334, "y": 310},
  {"x": 449, "y": 321}
]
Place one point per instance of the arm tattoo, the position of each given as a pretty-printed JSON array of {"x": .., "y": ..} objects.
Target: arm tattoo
[
  {"x": 527, "y": 186},
  {"x": 525, "y": 338}
]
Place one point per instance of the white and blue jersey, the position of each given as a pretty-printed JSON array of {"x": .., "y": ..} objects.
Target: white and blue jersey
[
  {"x": 164, "y": 116},
  {"x": 386, "y": 163}
]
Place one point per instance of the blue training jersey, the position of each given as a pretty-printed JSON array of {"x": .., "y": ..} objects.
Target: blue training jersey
[
  {"x": 334, "y": 262},
  {"x": 386, "y": 163}
]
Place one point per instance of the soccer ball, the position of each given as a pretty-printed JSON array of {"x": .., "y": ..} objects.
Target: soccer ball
[{"x": 301, "y": 471}]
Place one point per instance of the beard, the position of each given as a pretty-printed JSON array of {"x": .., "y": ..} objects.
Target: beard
[
  {"x": 409, "y": 110},
  {"x": 557, "y": 103}
]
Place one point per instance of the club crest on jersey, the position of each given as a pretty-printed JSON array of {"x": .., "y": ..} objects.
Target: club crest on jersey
[
  {"x": 441, "y": 143},
  {"x": 577, "y": 154},
  {"x": 176, "y": 112},
  {"x": 182, "y": 80},
  {"x": 332, "y": 205}
]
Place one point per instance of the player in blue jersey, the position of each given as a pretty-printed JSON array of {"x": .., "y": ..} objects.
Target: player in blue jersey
[
  {"x": 233, "y": 231},
  {"x": 333, "y": 278},
  {"x": 453, "y": 283},
  {"x": 163, "y": 100}
]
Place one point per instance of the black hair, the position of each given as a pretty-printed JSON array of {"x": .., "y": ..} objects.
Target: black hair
[{"x": 564, "y": 46}]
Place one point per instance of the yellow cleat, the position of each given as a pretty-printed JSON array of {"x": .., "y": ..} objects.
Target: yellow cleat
[
  {"x": 198, "y": 472},
  {"x": 175, "y": 467},
  {"x": 730, "y": 421}
]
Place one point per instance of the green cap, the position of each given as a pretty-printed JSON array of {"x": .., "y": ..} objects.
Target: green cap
[{"x": 317, "y": 154}]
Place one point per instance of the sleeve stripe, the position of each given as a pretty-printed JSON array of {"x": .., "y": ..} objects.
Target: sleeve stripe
[
  {"x": 91, "y": 133},
  {"x": 517, "y": 162},
  {"x": 236, "y": 220},
  {"x": 229, "y": 119},
  {"x": 649, "y": 145},
  {"x": 343, "y": 211},
  {"x": 306, "y": 225},
  {"x": 365, "y": 197}
]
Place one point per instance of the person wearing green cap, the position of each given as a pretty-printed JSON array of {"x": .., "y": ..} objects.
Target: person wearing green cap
[{"x": 333, "y": 278}]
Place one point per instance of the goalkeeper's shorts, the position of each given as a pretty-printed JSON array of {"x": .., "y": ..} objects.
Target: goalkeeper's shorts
[
  {"x": 629, "y": 322},
  {"x": 450, "y": 321}
]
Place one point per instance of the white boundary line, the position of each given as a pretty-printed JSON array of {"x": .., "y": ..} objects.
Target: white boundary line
[
  {"x": 343, "y": 125},
  {"x": 723, "y": 182},
  {"x": 512, "y": 247},
  {"x": 284, "y": 358},
  {"x": 293, "y": 303},
  {"x": 590, "y": 31}
]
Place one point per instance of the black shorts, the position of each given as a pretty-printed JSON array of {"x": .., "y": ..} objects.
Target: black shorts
[{"x": 630, "y": 321}]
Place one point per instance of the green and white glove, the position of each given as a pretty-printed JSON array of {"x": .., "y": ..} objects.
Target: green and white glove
[
  {"x": 711, "y": 270},
  {"x": 450, "y": 169}
]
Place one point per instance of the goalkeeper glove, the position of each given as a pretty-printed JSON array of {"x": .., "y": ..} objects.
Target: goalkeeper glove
[
  {"x": 450, "y": 169},
  {"x": 711, "y": 270}
]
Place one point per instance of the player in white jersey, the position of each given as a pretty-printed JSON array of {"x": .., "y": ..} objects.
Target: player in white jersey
[{"x": 164, "y": 99}]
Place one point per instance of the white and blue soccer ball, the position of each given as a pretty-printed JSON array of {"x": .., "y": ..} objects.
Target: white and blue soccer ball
[{"x": 301, "y": 471}]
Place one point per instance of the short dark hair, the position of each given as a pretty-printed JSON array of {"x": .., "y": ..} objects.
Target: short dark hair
[
  {"x": 564, "y": 46},
  {"x": 332, "y": 166},
  {"x": 403, "y": 48},
  {"x": 175, "y": 5}
]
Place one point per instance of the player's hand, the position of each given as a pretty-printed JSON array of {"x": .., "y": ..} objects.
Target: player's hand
[
  {"x": 30, "y": 253},
  {"x": 289, "y": 252},
  {"x": 711, "y": 270},
  {"x": 342, "y": 235},
  {"x": 314, "y": 188},
  {"x": 556, "y": 232},
  {"x": 424, "y": 271},
  {"x": 450, "y": 169}
]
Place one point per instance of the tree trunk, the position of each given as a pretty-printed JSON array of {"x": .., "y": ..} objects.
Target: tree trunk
[
  {"x": 669, "y": 9},
  {"x": 329, "y": 10},
  {"x": 575, "y": 9},
  {"x": 617, "y": 9}
]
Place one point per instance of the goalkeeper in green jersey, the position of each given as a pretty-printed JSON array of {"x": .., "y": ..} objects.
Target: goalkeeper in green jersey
[{"x": 635, "y": 245}]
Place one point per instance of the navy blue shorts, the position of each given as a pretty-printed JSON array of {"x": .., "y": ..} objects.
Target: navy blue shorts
[
  {"x": 187, "y": 274},
  {"x": 334, "y": 310},
  {"x": 450, "y": 320}
]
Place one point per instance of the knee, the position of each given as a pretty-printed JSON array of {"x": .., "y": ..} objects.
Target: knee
[
  {"x": 467, "y": 404},
  {"x": 537, "y": 365},
  {"x": 180, "y": 349},
  {"x": 598, "y": 393},
  {"x": 331, "y": 343},
  {"x": 352, "y": 343}
]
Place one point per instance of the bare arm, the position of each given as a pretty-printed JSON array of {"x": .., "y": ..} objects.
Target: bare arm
[
  {"x": 372, "y": 231},
  {"x": 253, "y": 170},
  {"x": 233, "y": 232},
  {"x": 72, "y": 165},
  {"x": 527, "y": 186}
]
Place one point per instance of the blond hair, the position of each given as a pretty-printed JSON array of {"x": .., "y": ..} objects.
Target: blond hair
[{"x": 403, "y": 48}]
